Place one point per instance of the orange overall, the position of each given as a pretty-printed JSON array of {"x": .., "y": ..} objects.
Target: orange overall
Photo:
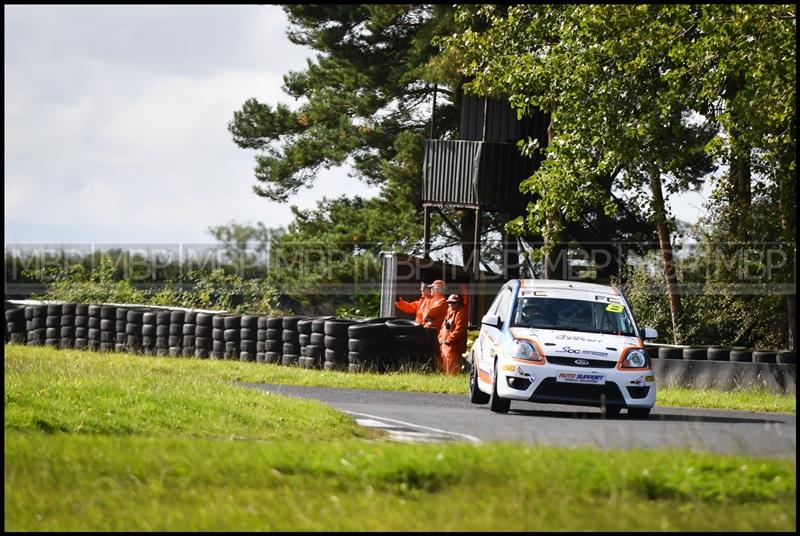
[
  {"x": 453, "y": 341},
  {"x": 417, "y": 306}
]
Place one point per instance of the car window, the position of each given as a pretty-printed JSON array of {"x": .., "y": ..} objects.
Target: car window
[
  {"x": 573, "y": 315},
  {"x": 505, "y": 302}
]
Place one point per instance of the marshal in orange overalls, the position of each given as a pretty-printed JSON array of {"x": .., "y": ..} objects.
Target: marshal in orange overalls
[{"x": 453, "y": 336}]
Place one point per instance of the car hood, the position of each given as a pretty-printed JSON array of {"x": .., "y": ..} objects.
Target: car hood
[{"x": 554, "y": 342}]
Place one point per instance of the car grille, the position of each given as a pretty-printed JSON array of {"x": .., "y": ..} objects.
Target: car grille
[
  {"x": 570, "y": 362},
  {"x": 593, "y": 395}
]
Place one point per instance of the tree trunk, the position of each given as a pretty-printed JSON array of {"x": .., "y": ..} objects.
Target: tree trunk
[
  {"x": 554, "y": 261},
  {"x": 665, "y": 245},
  {"x": 739, "y": 175}
]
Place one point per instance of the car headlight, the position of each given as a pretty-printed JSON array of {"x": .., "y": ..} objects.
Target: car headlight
[
  {"x": 524, "y": 350},
  {"x": 635, "y": 359}
]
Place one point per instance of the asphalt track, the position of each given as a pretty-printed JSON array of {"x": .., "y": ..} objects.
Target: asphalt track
[{"x": 424, "y": 417}]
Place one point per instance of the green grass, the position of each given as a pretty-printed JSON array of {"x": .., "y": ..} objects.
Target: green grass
[{"x": 121, "y": 442}]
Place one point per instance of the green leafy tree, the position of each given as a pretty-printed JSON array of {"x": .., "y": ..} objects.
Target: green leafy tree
[
  {"x": 624, "y": 98},
  {"x": 364, "y": 100}
]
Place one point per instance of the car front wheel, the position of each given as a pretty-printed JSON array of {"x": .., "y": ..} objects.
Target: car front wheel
[
  {"x": 497, "y": 404},
  {"x": 476, "y": 396}
]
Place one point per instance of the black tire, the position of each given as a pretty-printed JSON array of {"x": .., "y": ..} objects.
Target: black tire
[
  {"x": 81, "y": 309},
  {"x": 335, "y": 356},
  {"x": 274, "y": 334},
  {"x": 233, "y": 322},
  {"x": 290, "y": 359},
  {"x": 638, "y": 413},
  {"x": 765, "y": 356},
  {"x": 218, "y": 346},
  {"x": 189, "y": 317},
  {"x": 188, "y": 329},
  {"x": 122, "y": 314},
  {"x": 175, "y": 341},
  {"x": 162, "y": 318},
  {"x": 497, "y": 404},
  {"x": 719, "y": 353},
  {"x": 177, "y": 317},
  {"x": 81, "y": 333},
  {"x": 289, "y": 335},
  {"x": 108, "y": 312},
  {"x": 249, "y": 322},
  {"x": 271, "y": 357},
  {"x": 290, "y": 322},
  {"x": 204, "y": 319},
  {"x": 304, "y": 326},
  {"x": 275, "y": 322},
  {"x": 695, "y": 353},
  {"x": 366, "y": 345},
  {"x": 317, "y": 338},
  {"x": 133, "y": 329},
  {"x": 247, "y": 334},
  {"x": 368, "y": 331},
  {"x": 337, "y": 328},
  {"x": 403, "y": 327},
  {"x": 52, "y": 321},
  {"x": 318, "y": 324},
  {"x": 187, "y": 341},
  {"x": 247, "y": 356},
  {"x": 80, "y": 344},
  {"x": 262, "y": 322},
  {"x": 135, "y": 317},
  {"x": 335, "y": 343},
  {"x": 176, "y": 329},
  {"x": 476, "y": 396},
  {"x": 670, "y": 352},
  {"x": 785, "y": 357},
  {"x": 291, "y": 348},
  {"x": 741, "y": 355},
  {"x": 248, "y": 346},
  {"x": 202, "y": 331},
  {"x": 231, "y": 334},
  {"x": 315, "y": 351},
  {"x": 651, "y": 351},
  {"x": 261, "y": 335},
  {"x": 218, "y": 322},
  {"x": 68, "y": 308},
  {"x": 273, "y": 346},
  {"x": 162, "y": 330},
  {"x": 81, "y": 321},
  {"x": 202, "y": 342},
  {"x": 304, "y": 339}
]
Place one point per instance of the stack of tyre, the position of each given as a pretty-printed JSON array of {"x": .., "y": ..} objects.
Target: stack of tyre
[
  {"x": 108, "y": 329},
  {"x": 36, "y": 324},
  {"x": 202, "y": 335},
  {"x": 149, "y": 327},
  {"x": 93, "y": 333},
  {"x": 291, "y": 340},
  {"x": 81, "y": 326},
  {"x": 188, "y": 331},
  {"x": 232, "y": 336},
  {"x": 15, "y": 330},
  {"x": 409, "y": 344},
  {"x": 176, "y": 320},
  {"x": 304, "y": 336},
  {"x": 218, "y": 337},
  {"x": 261, "y": 339},
  {"x": 53, "y": 323},
  {"x": 120, "y": 329},
  {"x": 66, "y": 324},
  {"x": 161, "y": 346},
  {"x": 248, "y": 335},
  {"x": 367, "y": 344},
  {"x": 273, "y": 342},
  {"x": 336, "y": 347},
  {"x": 315, "y": 349},
  {"x": 134, "y": 330}
]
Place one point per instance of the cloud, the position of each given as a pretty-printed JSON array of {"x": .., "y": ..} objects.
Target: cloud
[{"x": 116, "y": 121}]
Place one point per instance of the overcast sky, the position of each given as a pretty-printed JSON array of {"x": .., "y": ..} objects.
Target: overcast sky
[{"x": 116, "y": 122}]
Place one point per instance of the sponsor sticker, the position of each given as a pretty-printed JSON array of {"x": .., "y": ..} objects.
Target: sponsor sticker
[
  {"x": 649, "y": 378},
  {"x": 562, "y": 337},
  {"x": 580, "y": 377},
  {"x": 592, "y": 352},
  {"x": 615, "y": 308}
]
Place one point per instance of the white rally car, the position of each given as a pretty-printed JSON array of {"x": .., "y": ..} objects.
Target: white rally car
[{"x": 562, "y": 342}]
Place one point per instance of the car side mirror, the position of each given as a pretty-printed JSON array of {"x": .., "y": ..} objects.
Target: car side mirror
[
  {"x": 650, "y": 333},
  {"x": 492, "y": 320}
]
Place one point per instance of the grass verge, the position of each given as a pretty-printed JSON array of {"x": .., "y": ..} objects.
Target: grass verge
[{"x": 112, "y": 442}]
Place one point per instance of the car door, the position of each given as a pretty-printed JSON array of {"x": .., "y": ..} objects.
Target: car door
[{"x": 490, "y": 335}]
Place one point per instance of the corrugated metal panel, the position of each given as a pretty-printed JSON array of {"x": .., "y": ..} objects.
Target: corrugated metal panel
[
  {"x": 475, "y": 173},
  {"x": 502, "y": 124}
]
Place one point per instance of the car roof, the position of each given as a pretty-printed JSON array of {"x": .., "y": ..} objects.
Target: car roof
[{"x": 567, "y": 289}]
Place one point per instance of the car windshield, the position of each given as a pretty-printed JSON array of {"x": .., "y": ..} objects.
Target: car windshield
[{"x": 573, "y": 315}]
